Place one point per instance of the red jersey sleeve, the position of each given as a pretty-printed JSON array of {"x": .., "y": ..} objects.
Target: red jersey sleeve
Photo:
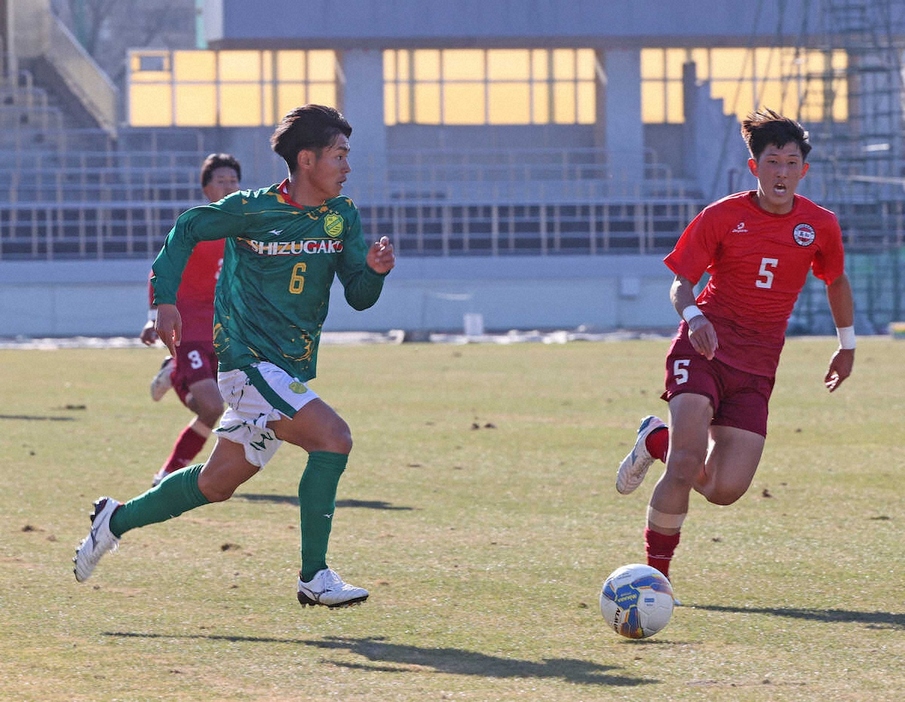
[{"x": 696, "y": 248}]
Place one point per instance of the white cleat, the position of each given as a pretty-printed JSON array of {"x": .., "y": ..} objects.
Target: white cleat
[
  {"x": 99, "y": 541},
  {"x": 158, "y": 476},
  {"x": 635, "y": 466},
  {"x": 328, "y": 589},
  {"x": 162, "y": 381}
]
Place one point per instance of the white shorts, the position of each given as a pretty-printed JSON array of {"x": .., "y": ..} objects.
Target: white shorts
[{"x": 254, "y": 397}]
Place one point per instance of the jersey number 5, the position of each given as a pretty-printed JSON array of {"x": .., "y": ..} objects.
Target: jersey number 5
[
  {"x": 680, "y": 370},
  {"x": 765, "y": 274}
]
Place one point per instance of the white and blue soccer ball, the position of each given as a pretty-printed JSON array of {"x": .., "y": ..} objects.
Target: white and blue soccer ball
[{"x": 636, "y": 600}]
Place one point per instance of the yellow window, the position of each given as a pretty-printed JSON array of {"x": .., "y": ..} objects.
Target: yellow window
[
  {"x": 463, "y": 103},
  {"x": 540, "y": 103},
  {"x": 463, "y": 64},
  {"x": 587, "y": 103},
  {"x": 240, "y": 105},
  {"x": 196, "y": 105},
  {"x": 427, "y": 103},
  {"x": 191, "y": 66},
  {"x": 240, "y": 66},
  {"x": 322, "y": 93},
  {"x": 288, "y": 97},
  {"x": 508, "y": 64},
  {"x": 509, "y": 103},
  {"x": 150, "y": 105},
  {"x": 427, "y": 65},
  {"x": 322, "y": 66},
  {"x": 291, "y": 66},
  {"x": 564, "y": 103}
]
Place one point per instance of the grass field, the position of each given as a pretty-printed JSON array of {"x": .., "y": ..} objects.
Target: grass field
[{"x": 479, "y": 509}]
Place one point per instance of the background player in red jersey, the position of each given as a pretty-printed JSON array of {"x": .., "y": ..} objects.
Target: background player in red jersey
[
  {"x": 758, "y": 248},
  {"x": 193, "y": 372}
]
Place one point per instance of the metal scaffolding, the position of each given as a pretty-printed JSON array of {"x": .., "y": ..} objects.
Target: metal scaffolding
[{"x": 859, "y": 167}]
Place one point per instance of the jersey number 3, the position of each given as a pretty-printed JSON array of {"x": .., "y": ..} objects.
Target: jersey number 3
[{"x": 765, "y": 274}]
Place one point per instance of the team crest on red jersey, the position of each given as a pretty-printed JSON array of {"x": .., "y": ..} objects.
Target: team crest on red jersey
[{"x": 804, "y": 234}]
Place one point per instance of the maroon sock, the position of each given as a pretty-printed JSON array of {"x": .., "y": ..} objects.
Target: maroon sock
[
  {"x": 660, "y": 549},
  {"x": 187, "y": 446},
  {"x": 657, "y": 443}
]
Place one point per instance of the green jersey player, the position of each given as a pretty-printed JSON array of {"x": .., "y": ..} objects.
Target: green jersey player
[{"x": 284, "y": 245}]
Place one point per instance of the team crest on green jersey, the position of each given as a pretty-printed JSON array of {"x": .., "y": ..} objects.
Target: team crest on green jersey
[{"x": 333, "y": 224}]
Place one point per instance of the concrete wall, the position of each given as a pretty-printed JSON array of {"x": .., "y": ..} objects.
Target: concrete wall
[
  {"x": 369, "y": 23},
  {"x": 109, "y": 298}
]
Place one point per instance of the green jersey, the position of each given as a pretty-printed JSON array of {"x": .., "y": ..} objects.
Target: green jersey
[{"x": 278, "y": 266}]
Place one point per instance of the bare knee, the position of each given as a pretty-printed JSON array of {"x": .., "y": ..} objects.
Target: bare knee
[
  {"x": 209, "y": 413},
  {"x": 315, "y": 427},
  {"x": 215, "y": 490},
  {"x": 684, "y": 465},
  {"x": 225, "y": 471},
  {"x": 339, "y": 440}
]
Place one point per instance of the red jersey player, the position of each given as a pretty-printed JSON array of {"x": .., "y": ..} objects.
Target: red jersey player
[
  {"x": 193, "y": 373},
  {"x": 758, "y": 248}
]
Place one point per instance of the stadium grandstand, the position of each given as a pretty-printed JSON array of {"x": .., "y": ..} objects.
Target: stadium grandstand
[{"x": 489, "y": 136}]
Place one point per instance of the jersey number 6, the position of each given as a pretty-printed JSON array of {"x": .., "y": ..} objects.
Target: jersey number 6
[{"x": 297, "y": 279}]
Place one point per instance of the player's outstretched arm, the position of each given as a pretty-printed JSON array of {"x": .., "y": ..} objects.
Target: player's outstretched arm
[{"x": 842, "y": 307}]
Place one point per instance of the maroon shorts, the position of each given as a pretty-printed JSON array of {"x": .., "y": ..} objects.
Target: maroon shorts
[
  {"x": 740, "y": 399},
  {"x": 195, "y": 361}
]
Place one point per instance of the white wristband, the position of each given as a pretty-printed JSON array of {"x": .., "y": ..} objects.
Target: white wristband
[
  {"x": 846, "y": 337},
  {"x": 691, "y": 312},
  {"x": 152, "y": 315}
]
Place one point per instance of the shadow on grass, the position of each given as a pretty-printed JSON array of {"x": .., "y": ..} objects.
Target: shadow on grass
[
  {"x": 399, "y": 658},
  {"x": 877, "y": 620},
  {"x": 36, "y": 418},
  {"x": 294, "y": 501}
]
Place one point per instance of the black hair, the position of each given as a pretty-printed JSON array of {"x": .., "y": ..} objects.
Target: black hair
[
  {"x": 215, "y": 161},
  {"x": 765, "y": 127},
  {"x": 309, "y": 127}
]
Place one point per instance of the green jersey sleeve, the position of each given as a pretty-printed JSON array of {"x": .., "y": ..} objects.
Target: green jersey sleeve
[
  {"x": 361, "y": 285},
  {"x": 203, "y": 223}
]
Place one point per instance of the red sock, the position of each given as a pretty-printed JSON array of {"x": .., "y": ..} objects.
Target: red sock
[
  {"x": 657, "y": 443},
  {"x": 187, "y": 446},
  {"x": 660, "y": 549}
]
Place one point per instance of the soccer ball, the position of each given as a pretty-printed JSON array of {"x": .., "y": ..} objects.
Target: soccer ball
[{"x": 636, "y": 600}]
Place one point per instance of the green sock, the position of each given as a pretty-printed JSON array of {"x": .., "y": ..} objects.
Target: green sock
[
  {"x": 317, "y": 501},
  {"x": 175, "y": 494}
]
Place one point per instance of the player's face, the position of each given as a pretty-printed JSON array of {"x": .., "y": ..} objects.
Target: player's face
[
  {"x": 224, "y": 181},
  {"x": 779, "y": 170},
  {"x": 330, "y": 169}
]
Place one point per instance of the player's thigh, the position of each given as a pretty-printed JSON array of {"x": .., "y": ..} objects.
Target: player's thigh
[
  {"x": 689, "y": 434},
  {"x": 732, "y": 463},
  {"x": 315, "y": 427},
  {"x": 205, "y": 401}
]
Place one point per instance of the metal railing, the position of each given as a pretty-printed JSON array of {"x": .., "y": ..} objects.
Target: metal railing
[
  {"x": 78, "y": 195},
  {"x": 83, "y": 195}
]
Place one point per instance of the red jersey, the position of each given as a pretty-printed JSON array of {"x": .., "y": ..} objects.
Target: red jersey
[
  {"x": 195, "y": 296},
  {"x": 758, "y": 264}
]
